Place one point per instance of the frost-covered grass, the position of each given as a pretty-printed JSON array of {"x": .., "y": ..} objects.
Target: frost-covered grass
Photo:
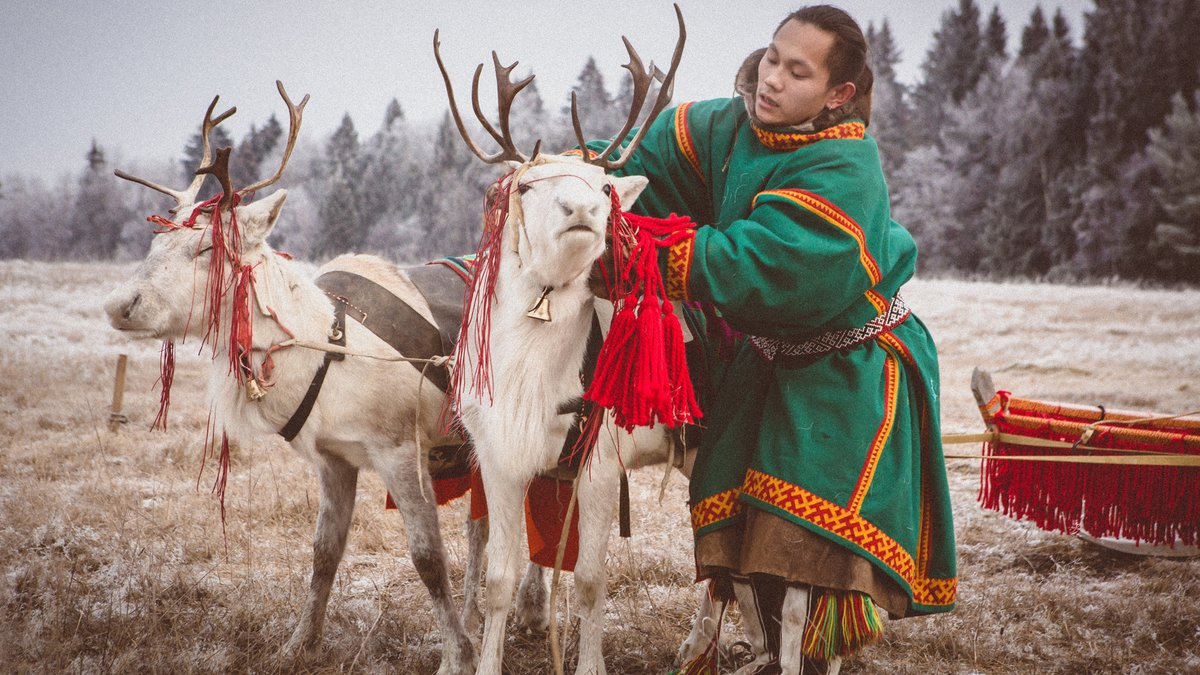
[{"x": 114, "y": 558}]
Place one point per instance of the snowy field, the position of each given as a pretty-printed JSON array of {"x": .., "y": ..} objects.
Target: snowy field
[{"x": 114, "y": 559}]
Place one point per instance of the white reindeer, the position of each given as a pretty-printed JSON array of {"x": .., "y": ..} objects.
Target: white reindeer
[
  {"x": 557, "y": 215},
  {"x": 368, "y": 414}
]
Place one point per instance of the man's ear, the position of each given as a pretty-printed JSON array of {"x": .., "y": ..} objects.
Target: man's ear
[{"x": 839, "y": 95}]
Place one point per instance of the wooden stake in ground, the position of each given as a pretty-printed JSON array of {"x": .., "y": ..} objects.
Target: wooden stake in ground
[{"x": 115, "y": 418}]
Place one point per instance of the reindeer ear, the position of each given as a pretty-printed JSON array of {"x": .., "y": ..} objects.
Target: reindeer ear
[
  {"x": 258, "y": 218},
  {"x": 629, "y": 188}
]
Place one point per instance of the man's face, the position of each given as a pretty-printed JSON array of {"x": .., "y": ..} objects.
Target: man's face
[{"x": 793, "y": 79}]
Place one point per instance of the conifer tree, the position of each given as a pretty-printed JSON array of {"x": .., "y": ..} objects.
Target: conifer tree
[
  {"x": 1035, "y": 34},
  {"x": 891, "y": 115},
  {"x": 99, "y": 213},
  {"x": 952, "y": 67},
  {"x": 1174, "y": 150},
  {"x": 995, "y": 37},
  {"x": 341, "y": 219}
]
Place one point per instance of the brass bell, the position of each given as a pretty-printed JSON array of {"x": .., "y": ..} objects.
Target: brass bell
[
  {"x": 254, "y": 390},
  {"x": 541, "y": 308}
]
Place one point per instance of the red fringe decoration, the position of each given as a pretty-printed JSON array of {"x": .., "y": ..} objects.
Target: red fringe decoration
[
  {"x": 241, "y": 338},
  {"x": 1155, "y": 504},
  {"x": 477, "y": 304},
  {"x": 641, "y": 373},
  {"x": 165, "y": 378}
]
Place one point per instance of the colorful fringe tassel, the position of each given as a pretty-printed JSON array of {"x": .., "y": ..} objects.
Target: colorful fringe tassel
[{"x": 840, "y": 623}]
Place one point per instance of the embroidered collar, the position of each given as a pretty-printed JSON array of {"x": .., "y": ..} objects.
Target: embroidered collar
[{"x": 787, "y": 139}]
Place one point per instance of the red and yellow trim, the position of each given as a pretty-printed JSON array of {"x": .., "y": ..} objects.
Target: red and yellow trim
[
  {"x": 877, "y": 301},
  {"x": 679, "y": 268},
  {"x": 834, "y": 216},
  {"x": 891, "y": 391},
  {"x": 851, "y": 527},
  {"x": 683, "y": 138},
  {"x": 792, "y": 140},
  {"x": 714, "y": 509},
  {"x": 897, "y": 346}
]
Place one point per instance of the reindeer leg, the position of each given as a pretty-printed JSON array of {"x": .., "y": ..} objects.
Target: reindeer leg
[
  {"x": 477, "y": 536},
  {"x": 339, "y": 480},
  {"x": 598, "y": 488},
  {"x": 505, "y": 496},
  {"x": 704, "y": 626},
  {"x": 428, "y": 555},
  {"x": 532, "y": 600}
]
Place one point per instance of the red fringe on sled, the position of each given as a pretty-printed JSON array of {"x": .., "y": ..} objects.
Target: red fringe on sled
[{"x": 1153, "y": 504}]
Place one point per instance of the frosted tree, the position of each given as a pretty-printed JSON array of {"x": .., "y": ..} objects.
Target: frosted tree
[
  {"x": 341, "y": 219},
  {"x": 31, "y": 224},
  {"x": 952, "y": 67},
  {"x": 600, "y": 117},
  {"x": 99, "y": 212},
  {"x": 390, "y": 183},
  {"x": 1137, "y": 55},
  {"x": 1035, "y": 34},
  {"x": 891, "y": 115},
  {"x": 1174, "y": 150}
]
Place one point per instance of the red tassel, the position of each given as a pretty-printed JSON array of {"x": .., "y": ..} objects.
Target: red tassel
[
  {"x": 166, "y": 377},
  {"x": 683, "y": 398},
  {"x": 641, "y": 374},
  {"x": 613, "y": 364}
]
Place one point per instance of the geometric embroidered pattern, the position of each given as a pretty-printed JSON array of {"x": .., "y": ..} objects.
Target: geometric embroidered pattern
[
  {"x": 716, "y": 508},
  {"x": 850, "y": 526},
  {"x": 773, "y": 348},
  {"x": 831, "y": 214},
  {"x": 790, "y": 140},
  {"x": 683, "y": 136},
  {"x": 679, "y": 268}
]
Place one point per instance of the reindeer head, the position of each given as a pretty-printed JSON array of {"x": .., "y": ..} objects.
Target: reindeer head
[
  {"x": 194, "y": 260},
  {"x": 558, "y": 207}
]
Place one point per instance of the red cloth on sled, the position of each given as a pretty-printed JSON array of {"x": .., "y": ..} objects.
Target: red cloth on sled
[{"x": 1154, "y": 504}]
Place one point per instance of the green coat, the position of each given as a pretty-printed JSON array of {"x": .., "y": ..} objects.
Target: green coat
[{"x": 795, "y": 240}]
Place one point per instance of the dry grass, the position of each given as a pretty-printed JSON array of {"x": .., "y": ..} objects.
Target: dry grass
[{"x": 114, "y": 560}]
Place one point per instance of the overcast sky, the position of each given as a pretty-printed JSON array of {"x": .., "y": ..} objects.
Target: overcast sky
[{"x": 136, "y": 75}]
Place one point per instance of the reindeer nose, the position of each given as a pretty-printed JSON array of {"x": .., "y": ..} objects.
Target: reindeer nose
[
  {"x": 572, "y": 209},
  {"x": 120, "y": 309}
]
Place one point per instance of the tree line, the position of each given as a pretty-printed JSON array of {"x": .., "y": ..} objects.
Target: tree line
[{"x": 1066, "y": 159}]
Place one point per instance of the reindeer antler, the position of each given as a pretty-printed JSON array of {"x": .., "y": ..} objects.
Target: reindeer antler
[
  {"x": 188, "y": 196},
  {"x": 641, "y": 87},
  {"x": 294, "y": 114},
  {"x": 220, "y": 169},
  {"x": 506, "y": 92}
]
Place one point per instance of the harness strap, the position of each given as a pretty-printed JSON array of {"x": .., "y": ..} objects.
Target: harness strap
[{"x": 337, "y": 336}]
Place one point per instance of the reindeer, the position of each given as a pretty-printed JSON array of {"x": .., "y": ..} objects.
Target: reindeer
[
  {"x": 369, "y": 414},
  {"x": 518, "y": 417}
]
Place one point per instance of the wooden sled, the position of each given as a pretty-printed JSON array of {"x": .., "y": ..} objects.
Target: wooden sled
[{"x": 1125, "y": 480}]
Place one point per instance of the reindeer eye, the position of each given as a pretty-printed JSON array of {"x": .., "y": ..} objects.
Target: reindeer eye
[
  {"x": 204, "y": 250},
  {"x": 522, "y": 188},
  {"x": 607, "y": 189}
]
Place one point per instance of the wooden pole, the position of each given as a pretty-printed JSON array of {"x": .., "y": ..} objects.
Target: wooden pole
[{"x": 115, "y": 418}]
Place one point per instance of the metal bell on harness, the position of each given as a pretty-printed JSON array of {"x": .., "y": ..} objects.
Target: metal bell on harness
[{"x": 541, "y": 308}]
